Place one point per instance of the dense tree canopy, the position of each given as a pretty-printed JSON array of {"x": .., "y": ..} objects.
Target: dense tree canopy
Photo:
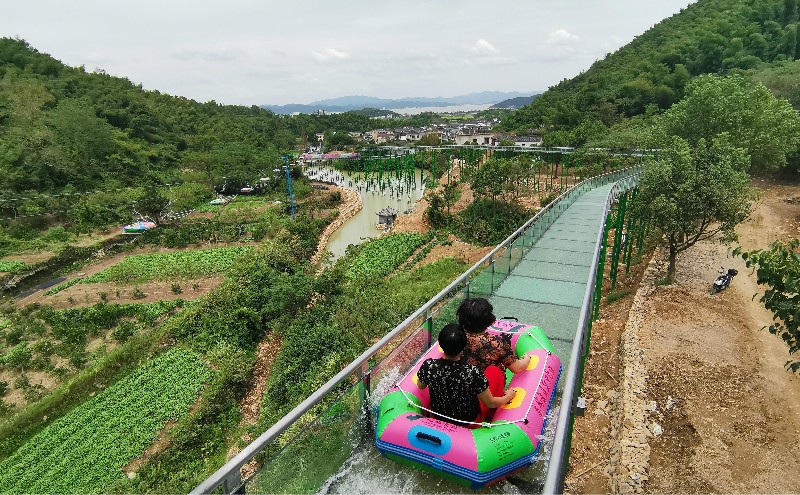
[
  {"x": 755, "y": 120},
  {"x": 694, "y": 194}
]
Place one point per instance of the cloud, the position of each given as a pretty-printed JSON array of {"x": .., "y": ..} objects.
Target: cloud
[
  {"x": 330, "y": 54},
  {"x": 483, "y": 48},
  {"x": 561, "y": 37},
  {"x": 484, "y": 53},
  {"x": 558, "y": 46}
]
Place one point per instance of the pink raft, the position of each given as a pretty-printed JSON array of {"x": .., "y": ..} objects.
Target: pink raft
[{"x": 481, "y": 456}]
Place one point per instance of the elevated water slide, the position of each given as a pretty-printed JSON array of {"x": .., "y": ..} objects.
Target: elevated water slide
[{"x": 545, "y": 273}]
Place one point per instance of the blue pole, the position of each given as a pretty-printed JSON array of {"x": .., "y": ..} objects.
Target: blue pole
[{"x": 289, "y": 182}]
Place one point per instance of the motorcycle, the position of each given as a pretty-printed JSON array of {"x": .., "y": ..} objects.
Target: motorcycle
[{"x": 723, "y": 279}]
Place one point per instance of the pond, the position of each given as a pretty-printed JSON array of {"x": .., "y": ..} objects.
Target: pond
[{"x": 399, "y": 194}]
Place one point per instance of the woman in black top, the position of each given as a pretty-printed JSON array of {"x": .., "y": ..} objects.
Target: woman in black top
[{"x": 459, "y": 392}]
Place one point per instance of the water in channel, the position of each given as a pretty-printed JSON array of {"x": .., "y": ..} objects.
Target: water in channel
[{"x": 400, "y": 195}]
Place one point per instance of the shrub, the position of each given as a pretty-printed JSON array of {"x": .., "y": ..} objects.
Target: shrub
[
  {"x": 57, "y": 234},
  {"x": 18, "y": 357},
  {"x": 176, "y": 288},
  {"x": 489, "y": 222},
  {"x": 124, "y": 331},
  {"x": 546, "y": 200}
]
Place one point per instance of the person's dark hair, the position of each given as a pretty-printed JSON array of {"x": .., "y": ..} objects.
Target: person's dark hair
[
  {"x": 475, "y": 314},
  {"x": 452, "y": 339}
]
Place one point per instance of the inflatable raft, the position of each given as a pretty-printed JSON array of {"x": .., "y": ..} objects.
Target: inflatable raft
[
  {"x": 138, "y": 227},
  {"x": 473, "y": 457}
]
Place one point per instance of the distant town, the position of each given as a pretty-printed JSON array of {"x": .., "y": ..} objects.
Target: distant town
[{"x": 467, "y": 132}]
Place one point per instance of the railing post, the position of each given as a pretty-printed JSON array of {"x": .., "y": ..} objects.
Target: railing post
[
  {"x": 233, "y": 483},
  {"x": 620, "y": 223},
  {"x": 491, "y": 284}
]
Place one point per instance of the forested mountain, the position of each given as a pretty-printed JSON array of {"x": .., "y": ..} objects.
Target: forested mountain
[
  {"x": 650, "y": 73},
  {"x": 517, "y": 102},
  {"x": 82, "y": 150},
  {"x": 63, "y": 129},
  {"x": 351, "y": 103}
]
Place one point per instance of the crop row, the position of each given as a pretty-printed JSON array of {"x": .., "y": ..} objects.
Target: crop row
[
  {"x": 380, "y": 257},
  {"x": 11, "y": 266},
  {"x": 168, "y": 266},
  {"x": 65, "y": 285},
  {"x": 86, "y": 450}
]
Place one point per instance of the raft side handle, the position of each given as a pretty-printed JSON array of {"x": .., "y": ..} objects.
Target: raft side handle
[{"x": 430, "y": 438}]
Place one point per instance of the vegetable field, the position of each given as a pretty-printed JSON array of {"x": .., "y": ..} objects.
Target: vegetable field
[
  {"x": 381, "y": 256},
  {"x": 168, "y": 266},
  {"x": 86, "y": 450},
  {"x": 12, "y": 266}
]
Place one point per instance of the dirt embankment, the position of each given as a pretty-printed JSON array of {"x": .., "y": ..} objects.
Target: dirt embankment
[
  {"x": 351, "y": 204},
  {"x": 687, "y": 392}
]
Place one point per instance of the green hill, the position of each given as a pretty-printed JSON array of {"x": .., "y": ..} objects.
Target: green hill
[{"x": 649, "y": 74}]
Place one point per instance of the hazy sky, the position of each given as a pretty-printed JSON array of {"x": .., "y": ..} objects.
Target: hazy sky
[{"x": 254, "y": 52}]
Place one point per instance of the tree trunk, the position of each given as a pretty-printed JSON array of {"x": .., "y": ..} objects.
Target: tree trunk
[{"x": 673, "y": 254}]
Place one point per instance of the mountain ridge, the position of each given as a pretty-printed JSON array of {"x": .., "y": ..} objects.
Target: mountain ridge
[{"x": 358, "y": 102}]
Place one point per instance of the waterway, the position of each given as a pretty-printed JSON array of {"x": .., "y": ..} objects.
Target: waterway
[
  {"x": 400, "y": 195},
  {"x": 448, "y": 109}
]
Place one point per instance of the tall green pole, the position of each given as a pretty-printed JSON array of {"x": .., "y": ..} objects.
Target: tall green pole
[
  {"x": 601, "y": 267},
  {"x": 618, "y": 227}
]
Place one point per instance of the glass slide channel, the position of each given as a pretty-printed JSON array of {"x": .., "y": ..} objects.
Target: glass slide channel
[{"x": 303, "y": 451}]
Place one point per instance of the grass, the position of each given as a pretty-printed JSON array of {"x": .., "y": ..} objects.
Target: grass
[
  {"x": 616, "y": 296},
  {"x": 316, "y": 453},
  {"x": 665, "y": 281}
]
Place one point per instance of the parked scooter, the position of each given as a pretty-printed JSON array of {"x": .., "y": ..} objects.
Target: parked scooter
[{"x": 723, "y": 279}]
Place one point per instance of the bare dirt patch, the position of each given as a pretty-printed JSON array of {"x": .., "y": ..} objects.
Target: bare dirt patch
[
  {"x": 85, "y": 294},
  {"x": 89, "y": 294},
  {"x": 702, "y": 402}
]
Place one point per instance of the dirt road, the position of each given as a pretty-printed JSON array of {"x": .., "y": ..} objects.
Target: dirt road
[{"x": 686, "y": 392}]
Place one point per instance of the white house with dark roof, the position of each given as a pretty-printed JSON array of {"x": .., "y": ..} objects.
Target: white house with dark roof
[{"x": 527, "y": 141}]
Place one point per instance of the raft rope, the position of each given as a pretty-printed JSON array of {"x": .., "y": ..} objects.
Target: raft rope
[{"x": 483, "y": 424}]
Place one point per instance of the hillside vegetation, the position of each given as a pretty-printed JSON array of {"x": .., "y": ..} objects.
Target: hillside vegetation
[
  {"x": 650, "y": 74},
  {"x": 76, "y": 148}
]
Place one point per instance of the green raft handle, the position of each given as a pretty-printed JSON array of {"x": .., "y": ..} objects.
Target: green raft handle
[{"x": 430, "y": 438}]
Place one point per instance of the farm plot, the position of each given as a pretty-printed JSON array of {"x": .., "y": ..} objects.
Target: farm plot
[
  {"x": 169, "y": 266},
  {"x": 43, "y": 348},
  {"x": 85, "y": 450},
  {"x": 380, "y": 257},
  {"x": 163, "y": 266},
  {"x": 11, "y": 266}
]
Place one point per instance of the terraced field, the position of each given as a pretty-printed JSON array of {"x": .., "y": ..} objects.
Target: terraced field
[{"x": 86, "y": 450}]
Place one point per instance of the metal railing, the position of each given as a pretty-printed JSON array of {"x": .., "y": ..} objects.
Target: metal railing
[
  {"x": 554, "y": 481},
  {"x": 469, "y": 283}
]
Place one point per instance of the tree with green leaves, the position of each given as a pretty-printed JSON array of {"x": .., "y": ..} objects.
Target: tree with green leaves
[
  {"x": 432, "y": 139},
  {"x": 779, "y": 269},
  {"x": 694, "y": 194},
  {"x": 768, "y": 128},
  {"x": 152, "y": 202}
]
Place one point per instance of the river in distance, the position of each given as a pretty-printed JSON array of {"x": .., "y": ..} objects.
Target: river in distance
[{"x": 447, "y": 109}]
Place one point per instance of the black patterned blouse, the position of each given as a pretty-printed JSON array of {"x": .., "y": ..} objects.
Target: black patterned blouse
[
  {"x": 454, "y": 387},
  {"x": 485, "y": 349}
]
